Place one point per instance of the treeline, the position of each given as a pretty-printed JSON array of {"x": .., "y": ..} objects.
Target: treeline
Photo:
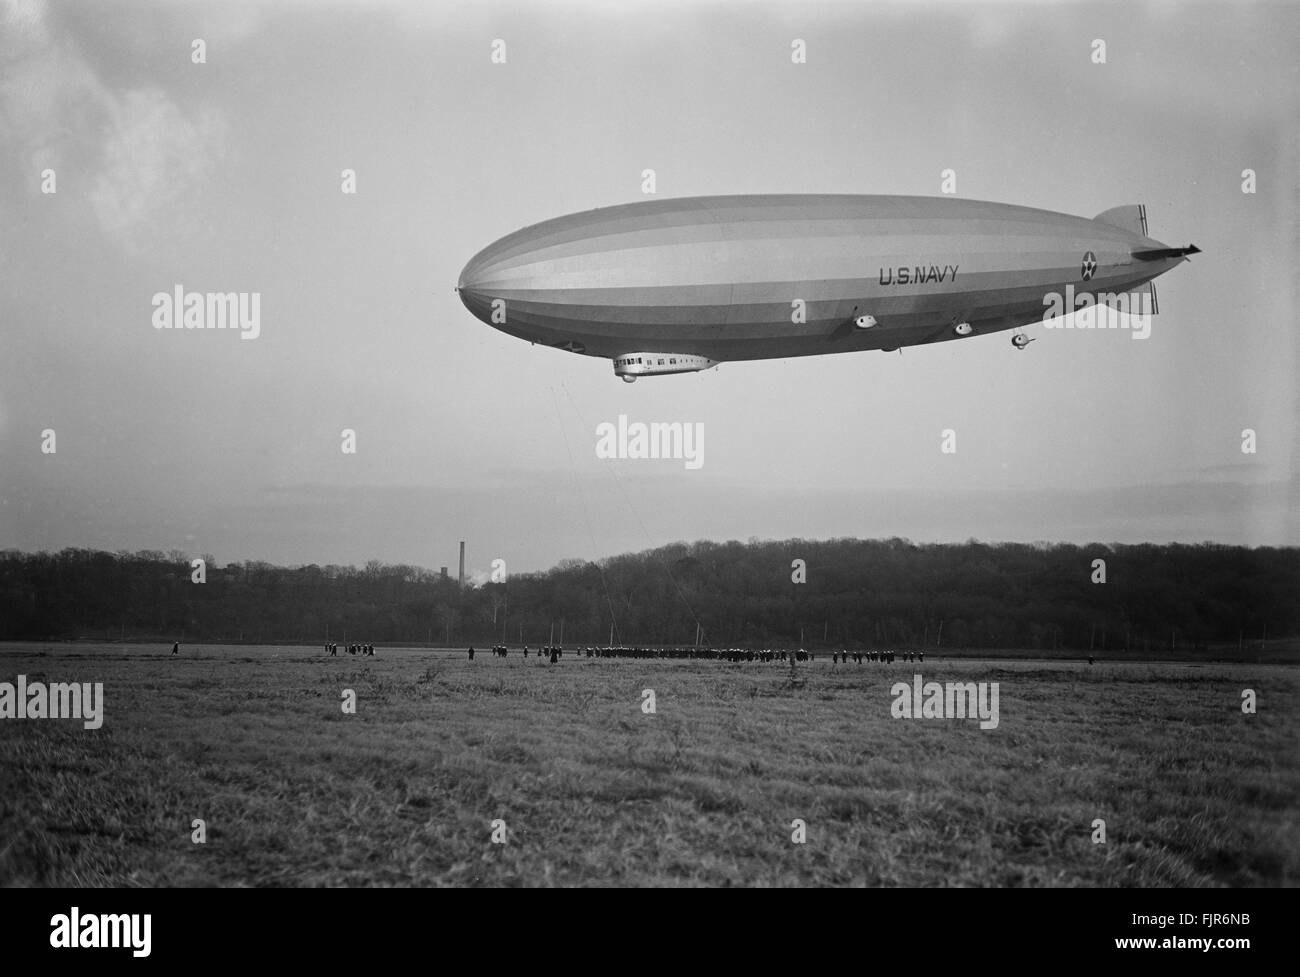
[{"x": 865, "y": 593}]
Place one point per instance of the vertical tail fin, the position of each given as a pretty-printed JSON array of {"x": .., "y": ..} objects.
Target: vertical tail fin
[
  {"x": 1151, "y": 306},
  {"x": 1130, "y": 217}
]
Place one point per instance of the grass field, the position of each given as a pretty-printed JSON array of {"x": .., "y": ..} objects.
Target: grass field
[{"x": 594, "y": 791}]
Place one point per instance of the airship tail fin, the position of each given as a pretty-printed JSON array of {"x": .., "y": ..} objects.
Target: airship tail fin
[
  {"x": 1157, "y": 254},
  {"x": 1130, "y": 217},
  {"x": 1152, "y": 305}
]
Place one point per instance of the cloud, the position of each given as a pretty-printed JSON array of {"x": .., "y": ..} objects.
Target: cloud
[
  {"x": 140, "y": 155},
  {"x": 43, "y": 84},
  {"x": 152, "y": 157}
]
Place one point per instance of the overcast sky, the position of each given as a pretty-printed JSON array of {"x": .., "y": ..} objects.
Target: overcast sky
[{"x": 225, "y": 176}]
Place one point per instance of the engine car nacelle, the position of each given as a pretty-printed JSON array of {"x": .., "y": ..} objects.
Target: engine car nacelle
[{"x": 629, "y": 366}]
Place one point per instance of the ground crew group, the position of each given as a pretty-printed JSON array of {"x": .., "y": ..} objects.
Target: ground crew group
[
  {"x": 555, "y": 652},
  {"x": 875, "y": 656},
  {"x": 363, "y": 650}
]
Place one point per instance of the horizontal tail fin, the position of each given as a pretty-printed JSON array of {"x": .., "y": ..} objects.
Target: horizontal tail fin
[{"x": 1157, "y": 254}]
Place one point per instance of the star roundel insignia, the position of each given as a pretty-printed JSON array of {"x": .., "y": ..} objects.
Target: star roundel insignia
[{"x": 1089, "y": 265}]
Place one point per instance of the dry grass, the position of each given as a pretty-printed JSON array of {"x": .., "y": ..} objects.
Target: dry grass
[{"x": 593, "y": 791}]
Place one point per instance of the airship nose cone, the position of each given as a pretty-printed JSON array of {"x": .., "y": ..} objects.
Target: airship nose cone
[{"x": 469, "y": 286}]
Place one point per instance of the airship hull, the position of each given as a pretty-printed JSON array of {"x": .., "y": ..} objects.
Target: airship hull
[{"x": 758, "y": 277}]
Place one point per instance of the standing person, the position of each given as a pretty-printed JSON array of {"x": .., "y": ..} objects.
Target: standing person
[
  {"x": 176, "y": 647},
  {"x": 471, "y": 652}
]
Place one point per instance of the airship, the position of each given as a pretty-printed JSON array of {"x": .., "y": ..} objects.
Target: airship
[{"x": 675, "y": 286}]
